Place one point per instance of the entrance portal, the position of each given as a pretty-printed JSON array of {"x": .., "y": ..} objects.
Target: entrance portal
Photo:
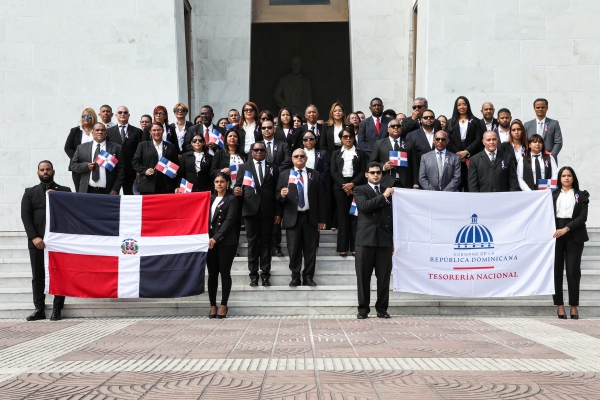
[{"x": 324, "y": 49}]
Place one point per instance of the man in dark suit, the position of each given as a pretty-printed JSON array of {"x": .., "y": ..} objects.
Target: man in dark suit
[
  {"x": 128, "y": 137},
  {"x": 204, "y": 128},
  {"x": 547, "y": 128},
  {"x": 440, "y": 169},
  {"x": 488, "y": 122},
  {"x": 312, "y": 116},
  {"x": 375, "y": 244},
  {"x": 414, "y": 122},
  {"x": 423, "y": 137},
  {"x": 374, "y": 128},
  {"x": 33, "y": 215},
  {"x": 396, "y": 176},
  {"x": 304, "y": 214},
  {"x": 260, "y": 210},
  {"x": 96, "y": 178},
  {"x": 492, "y": 170},
  {"x": 278, "y": 153}
]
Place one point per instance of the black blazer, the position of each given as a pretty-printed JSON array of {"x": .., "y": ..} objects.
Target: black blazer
[
  {"x": 262, "y": 201},
  {"x": 410, "y": 125},
  {"x": 224, "y": 220},
  {"x": 328, "y": 140},
  {"x": 317, "y": 211},
  {"x": 580, "y": 213},
  {"x": 473, "y": 141},
  {"x": 498, "y": 177},
  {"x": 283, "y": 137},
  {"x": 146, "y": 157},
  {"x": 83, "y": 156},
  {"x": 202, "y": 180},
  {"x": 197, "y": 130},
  {"x": 171, "y": 136},
  {"x": 282, "y": 157},
  {"x": 221, "y": 160},
  {"x": 322, "y": 165},
  {"x": 133, "y": 137},
  {"x": 367, "y": 134},
  {"x": 188, "y": 125},
  {"x": 375, "y": 222},
  {"x": 296, "y": 139},
  {"x": 409, "y": 176},
  {"x": 419, "y": 139},
  {"x": 33, "y": 210},
  {"x": 73, "y": 140},
  {"x": 359, "y": 166}
]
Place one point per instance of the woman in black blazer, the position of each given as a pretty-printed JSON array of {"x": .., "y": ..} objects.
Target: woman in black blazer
[
  {"x": 465, "y": 137},
  {"x": 223, "y": 243},
  {"x": 191, "y": 171},
  {"x": 571, "y": 210},
  {"x": 228, "y": 156},
  {"x": 145, "y": 159},
  {"x": 334, "y": 125},
  {"x": 80, "y": 134},
  {"x": 285, "y": 125},
  {"x": 181, "y": 125},
  {"x": 344, "y": 180}
]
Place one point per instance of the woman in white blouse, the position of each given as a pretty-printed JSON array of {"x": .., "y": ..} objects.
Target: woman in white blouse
[
  {"x": 571, "y": 210},
  {"x": 82, "y": 133},
  {"x": 535, "y": 165}
]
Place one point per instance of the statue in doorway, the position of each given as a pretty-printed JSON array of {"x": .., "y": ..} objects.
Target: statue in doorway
[{"x": 293, "y": 91}]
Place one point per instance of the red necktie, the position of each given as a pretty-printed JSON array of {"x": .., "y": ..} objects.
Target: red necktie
[
  {"x": 378, "y": 126},
  {"x": 206, "y": 136}
]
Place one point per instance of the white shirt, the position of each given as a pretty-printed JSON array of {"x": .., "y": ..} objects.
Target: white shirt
[
  {"x": 348, "y": 156},
  {"x": 429, "y": 137},
  {"x": 518, "y": 153},
  {"x": 165, "y": 132},
  {"x": 199, "y": 156},
  {"x": 503, "y": 135},
  {"x": 539, "y": 129},
  {"x": 488, "y": 126},
  {"x": 263, "y": 165},
  {"x": 85, "y": 137},
  {"x": 373, "y": 187},
  {"x": 214, "y": 206},
  {"x": 463, "y": 129},
  {"x": 398, "y": 141},
  {"x": 520, "y": 166},
  {"x": 305, "y": 189},
  {"x": 180, "y": 135},
  {"x": 102, "y": 181},
  {"x": 249, "y": 140},
  {"x": 336, "y": 133},
  {"x": 159, "y": 149},
  {"x": 565, "y": 204},
  {"x": 310, "y": 160},
  {"x": 375, "y": 119},
  {"x": 109, "y": 125}
]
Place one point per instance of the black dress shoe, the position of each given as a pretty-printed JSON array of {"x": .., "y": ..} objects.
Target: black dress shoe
[
  {"x": 383, "y": 314},
  {"x": 253, "y": 281},
  {"x": 37, "y": 315},
  {"x": 295, "y": 282},
  {"x": 362, "y": 315},
  {"x": 309, "y": 282},
  {"x": 277, "y": 252},
  {"x": 55, "y": 315},
  {"x": 561, "y": 316},
  {"x": 573, "y": 316},
  {"x": 265, "y": 282}
]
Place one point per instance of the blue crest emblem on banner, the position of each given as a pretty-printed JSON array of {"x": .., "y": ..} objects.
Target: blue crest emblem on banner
[{"x": 474, "y": 237}]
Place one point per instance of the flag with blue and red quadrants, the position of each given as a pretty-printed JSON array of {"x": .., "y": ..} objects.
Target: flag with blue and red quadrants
[{"x": 101, "y": 246}]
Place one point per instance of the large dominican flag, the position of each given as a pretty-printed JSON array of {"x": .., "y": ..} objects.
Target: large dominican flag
[{"x": 126, "y": 246}]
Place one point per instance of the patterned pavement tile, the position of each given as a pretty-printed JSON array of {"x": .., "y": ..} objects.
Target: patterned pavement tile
[{"x": 12, "y": 333}]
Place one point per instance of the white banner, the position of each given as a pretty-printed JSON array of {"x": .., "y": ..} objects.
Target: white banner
[{"x": 473, "y": 244}]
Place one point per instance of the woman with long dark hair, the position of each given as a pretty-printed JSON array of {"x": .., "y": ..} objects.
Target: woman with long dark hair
[
  {"x": 535, "y": 165},
  {"x": 196, "y": 165},
  {"x": 229, "y": 155},
  {"x": 297, "y": 121},
  {"x": 571, "y": 210},
  {"x": 517, "y": 141},
  {"x": 465, "y": 137},
  {"x": 285, "y": 124}
]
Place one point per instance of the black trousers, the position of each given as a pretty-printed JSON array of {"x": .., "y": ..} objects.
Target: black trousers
[
  {"x": 128, "y": 185},
  {"x": 464, "y": 178},
  {"x": 567, "y": 254},
  {"x": 259, "y": 232},
  {"x": 302, "y": 239},
  {"x": 76, "y": 177},
  {"x": 277, "y": 235},
  {"x": 367, "y": 259},
  {"x": 36, "y": 256},
  {"x": 219, "y": 261},
  {"x": 346, "y": 222}
]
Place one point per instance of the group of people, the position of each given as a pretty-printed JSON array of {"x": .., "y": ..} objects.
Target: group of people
[{"x": 268, "y": 172}]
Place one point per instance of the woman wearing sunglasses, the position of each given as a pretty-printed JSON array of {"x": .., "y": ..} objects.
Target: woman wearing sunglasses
[
  {"x": 195, "y": 166},
  {"x": 348, "y": 166},
  {"x": 181, "y": 125},
  {"x": 249, "y": 127},
  {"x": 82, "y": 133}
]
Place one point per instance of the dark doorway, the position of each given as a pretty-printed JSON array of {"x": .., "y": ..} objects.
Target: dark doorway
[{"x": 325, "y": 51}]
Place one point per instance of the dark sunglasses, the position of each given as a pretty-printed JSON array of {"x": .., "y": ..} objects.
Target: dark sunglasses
[
  {"x": 441, "y": 139},
  {"x": 264, "y": 118},
  {"x": 346, "y": 137},
  {"x": 259, "y": 150},
  {"x": 308, "y": 138},
  {"x": 299, "y": 156},
  {"x": 428, "y": 117},
  {"x": 264, "y": 128},
  {"x": 415, "y": 107},
  {"x": 197, "y": 141},
  {"x": 248, "y": 109},
  {"x": 394, "y": 126},
  {"x": 86, "y": 117},
  {"x": 374, "y": 172},
  {"x": 123, "y": 112},
  {"x": 178, "y": 110}
]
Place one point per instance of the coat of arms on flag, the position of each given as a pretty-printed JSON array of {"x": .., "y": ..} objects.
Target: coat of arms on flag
[
  {"x": 131, "y": 247},
  {"x": 216, "y": 137},
  {"x": 249, "y": 180},
  {"x": 399, "y": 158},
  {"x": 107, "y": 160},
  {"x": 544, "y": 184},
  {"x": 167, "y": 167},
  {"x": 185, "y": 186},
  {"x": 353, "y": 209}
]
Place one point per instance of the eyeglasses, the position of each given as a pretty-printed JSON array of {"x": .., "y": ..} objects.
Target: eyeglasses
[
  {"x": 353, "y": 118},
  {"x": 248, "y": 109},
  {"x": 346, "y": 137},
  {"x": 306, "y": 139},
  {"x": 374, "y": 172},
  {"x": 419, "y": 107},
  {"x": 440, "y": 139},
  {"x": 266, "y": 128},
  {"x": 299, "y": 156},
  {"x": 428, "y": 117},
  {"x": 159, "y": 114},
  {"x": 180, "y": 110},
  {"x": 259, "y": 150},
  {"x": 86, "y": 117},
  {"x": 197, "y": 141},
  {"x": 395, "y": 126},
  {"x": 123, "y": 112}
]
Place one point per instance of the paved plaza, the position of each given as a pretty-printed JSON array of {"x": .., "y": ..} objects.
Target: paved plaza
[{"x": 326, "y": 357}]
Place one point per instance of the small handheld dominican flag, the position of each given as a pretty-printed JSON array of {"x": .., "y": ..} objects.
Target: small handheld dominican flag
[
  {"x": 216, "y": 137},
  {"x": 107, "y": 160},
  {"x": 544, "y": 184},
  {"x": 293, "y": 179},
  {"x": 353, "y": 209},
  {"x": 167, "y": 167},
  {"x": 249, "y": 180},
  {"x": 185, "y": 186},
  {"x": 234, "y": 170},
  {"x": 399, "y": 158}
]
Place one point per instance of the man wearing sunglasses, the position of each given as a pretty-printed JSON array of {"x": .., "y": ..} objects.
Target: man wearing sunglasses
[
  {"x": 414, "y": 122},
  {"x": 260, "y": 210},
  {"x": 374, "y": 244},
  {"x": 128, "y": 137},
  {"x": 440, "y": 169},
  {"x": 423, "y": 137},
  {"x": 400, "y": 176}
]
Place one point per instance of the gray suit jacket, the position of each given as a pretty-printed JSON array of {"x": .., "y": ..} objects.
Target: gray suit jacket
[
  {"x": 429, "y": 176},
  {"x": 551, "y": 134},
  {"x": 83, "y": 156}
]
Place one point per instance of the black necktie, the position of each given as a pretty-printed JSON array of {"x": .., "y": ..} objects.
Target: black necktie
[
  {"x": 377, "y": 189},
  {"x": 122, "y": 133},
  {"x": 96, "y": 170},
  {"x": 538, "y": 169},
  {"x": 396, "y": 147},
  {"x": 260, "y": 172}
]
